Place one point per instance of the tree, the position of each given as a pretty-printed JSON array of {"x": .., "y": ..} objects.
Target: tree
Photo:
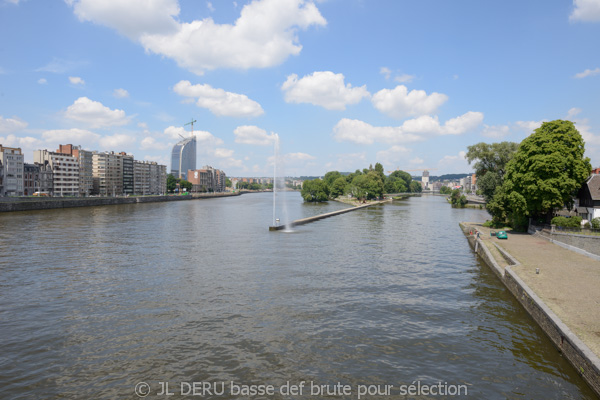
[
  {"x": 183, "y": 184},
  {"x": 380, "y": 172},
  {"x": 544, "y": 175},
  {"x": 315, "y": 191},
  {"x": 367, "y": 186},
  {"x": 227, "y": 182},
  {"x": 415, "y": 187},
  {"x": 330, "y": 177},
  {"x": 491, "y": 157},
  {"x": 488, "y": 183},
  {"x": 445, "y": 190},
  {"x": 490, "y": 164},
  {"x": 338, "y": 188},
  {"x": 171, "y": 183}
]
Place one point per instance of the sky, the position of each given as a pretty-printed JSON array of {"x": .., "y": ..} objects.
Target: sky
[{"x": 340, "y": 84}]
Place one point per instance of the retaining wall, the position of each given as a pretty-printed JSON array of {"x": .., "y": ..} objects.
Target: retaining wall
[
  {"x": 31, "y": 204},
  {"x": 573, "y": 349},
  {"x": 587, "y": 243}
]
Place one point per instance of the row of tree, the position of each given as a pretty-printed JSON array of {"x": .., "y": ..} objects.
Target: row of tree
[
  {"x": 534, "y": 178},
  {"x": 370, "y": 183}
]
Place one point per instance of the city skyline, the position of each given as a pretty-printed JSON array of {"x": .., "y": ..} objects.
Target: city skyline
[{"x": 343, "y": 84}]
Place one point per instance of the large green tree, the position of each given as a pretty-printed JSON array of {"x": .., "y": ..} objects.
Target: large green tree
[
  {"x": 315, "y": 190},
  {"x": 489, "y": 162},
  {"x": 491, "y": 157},
  {"x": 544, "y": 175},
  {"x": 367, "y": 186},
  {"x": 338, "y": 187},
  {"x": 171, "y": 183},
  {"x": 330, "y": 177}
]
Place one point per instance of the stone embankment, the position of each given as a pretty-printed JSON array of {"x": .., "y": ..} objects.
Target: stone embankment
[
  {"x": 557, "y": 287},
  {"x": 46, "y": 203}
]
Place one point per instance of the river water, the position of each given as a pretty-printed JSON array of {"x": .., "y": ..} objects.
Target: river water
[{"x": 94, "y": 301}]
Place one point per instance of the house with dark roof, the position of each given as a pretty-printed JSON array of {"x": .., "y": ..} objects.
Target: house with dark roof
[{"x": 589, "y": 198}]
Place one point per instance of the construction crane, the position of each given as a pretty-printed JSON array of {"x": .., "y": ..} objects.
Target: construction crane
[{"x": 192, "y": 124}]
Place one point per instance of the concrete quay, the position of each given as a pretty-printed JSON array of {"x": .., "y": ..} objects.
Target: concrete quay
[
  {"x": 322, "y": 216},
  {"x": 563, "y": 298},
  {"x": 47, "y": 203}
]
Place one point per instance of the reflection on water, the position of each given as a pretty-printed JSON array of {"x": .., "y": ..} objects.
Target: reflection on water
[{"x": 95, "y": 300}]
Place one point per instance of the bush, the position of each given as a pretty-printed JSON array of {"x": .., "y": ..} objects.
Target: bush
[
  {"x": 596, "y": 223},
  {"x": 564, "y": 222}
]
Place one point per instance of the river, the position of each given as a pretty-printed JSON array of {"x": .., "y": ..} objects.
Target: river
[{"x": 98, "y": 302}]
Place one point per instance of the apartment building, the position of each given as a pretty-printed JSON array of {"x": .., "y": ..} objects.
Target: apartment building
[
  {"x": 149, "y": 177},
  {"x": 11, "y": 171},
  {"x": 65, "y": 171},
  {"x": 107, "y": 172},
  {"x": 207, "y": 179},
  {"x": 85, "y": 166}
]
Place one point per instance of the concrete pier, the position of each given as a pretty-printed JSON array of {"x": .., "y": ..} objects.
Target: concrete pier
[{"x": 304, "y": 221}]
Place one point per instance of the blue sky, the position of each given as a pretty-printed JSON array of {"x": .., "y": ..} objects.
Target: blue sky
[{"x": 342, "y": 83}]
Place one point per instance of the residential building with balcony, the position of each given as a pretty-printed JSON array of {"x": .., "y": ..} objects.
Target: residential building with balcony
[{"x": 65, "y": 171}]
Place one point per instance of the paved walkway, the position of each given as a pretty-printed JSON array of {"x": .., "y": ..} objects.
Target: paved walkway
[{"x": 568, "y": 282}]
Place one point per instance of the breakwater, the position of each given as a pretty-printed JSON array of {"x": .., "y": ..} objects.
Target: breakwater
[
  {"x": 31, "y": 204},
  {"x": 307, "y": 220},
  {"x": 581, "y": 357}
]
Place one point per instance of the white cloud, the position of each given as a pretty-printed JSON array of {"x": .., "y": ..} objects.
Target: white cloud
[
  {"x": 150, "y": 143},
  {"x": 11, "y": 124},
  {"x": 416, "y": 161},
  {"x": 204, "y": 137},
  {"x": 349, "y": 162},
  {"x": 410, "y": 131},
  {"x": 322, "y": 88},
  {"x": 218, "y": 101},
  {"x": 586, "y": 10},
  {"x": 42, "y": 81},
  {"x": 400, "y": 103},
  {"x": 75, "y": 80},
  {"x": 26, "y": 143},
  {"x": 74, "y": 135},
  {"x": 223, "y": 153},
  {"x": 529, "y": 126},
  {"x": 295, "y": 157},
  {"x": 386, "y": 72},
  {"x": 573, "y": 112},
  {"x": 210, "y": 6},
  {"x": 456, "y": 163},
  {"x": 393, "y": 155},
  {"x": 117, "y": 141},
  {"x": 132, "y": 18},
  {"x": 495, "y": 131},
  {"x": 404, "y": 78},
  {"x": 249, "y": 134},
  {"x": 120, "y": 93},
  {"x": 263, "y": 36},
  {"x": 95, "y": 114},
  {"x": 176, "y": 132},
  {"x": 587, "y": 72}
]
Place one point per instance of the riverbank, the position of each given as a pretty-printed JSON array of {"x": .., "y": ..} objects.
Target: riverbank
[
  {"x": 562, "y": 298},
  {"x": 47, "y": 203}
]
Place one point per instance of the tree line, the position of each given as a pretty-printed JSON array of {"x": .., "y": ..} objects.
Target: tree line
[
  {"x": 532, "y": 179},
  {"x": 370, "y": 183}
]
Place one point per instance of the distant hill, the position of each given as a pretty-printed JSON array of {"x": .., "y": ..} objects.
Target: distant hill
[{"x": 447, "y": 177}]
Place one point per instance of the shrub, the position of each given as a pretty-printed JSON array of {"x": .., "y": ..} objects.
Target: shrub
[
  {"x": 596, "y": 223},
  {"x": 564, "y": 222}
]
